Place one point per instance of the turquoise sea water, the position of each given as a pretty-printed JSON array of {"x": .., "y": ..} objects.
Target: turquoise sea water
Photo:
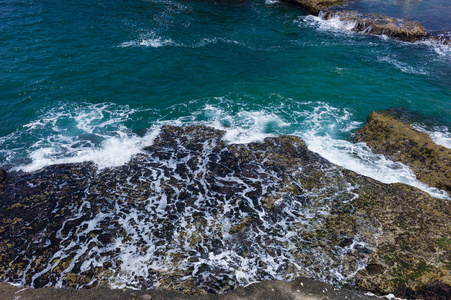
[
  {"x": 95, "y": 80},
  {"x": 82, "y": 80}
]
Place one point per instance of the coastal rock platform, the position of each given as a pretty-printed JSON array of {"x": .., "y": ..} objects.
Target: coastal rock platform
[
  {"x": 196, "y": 215},
  {"x": 369, "y": 23},
  {"x": 386, "y": 133}
]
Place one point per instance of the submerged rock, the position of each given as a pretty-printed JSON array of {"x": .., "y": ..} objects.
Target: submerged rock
[
  {"x": 386, "y": 134},
  {"x": 378, "y": 24},
  {"x": 196, "y": 215}
]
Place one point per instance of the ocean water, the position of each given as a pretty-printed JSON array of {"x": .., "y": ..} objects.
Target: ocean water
[{"x": 96, "y": 80}]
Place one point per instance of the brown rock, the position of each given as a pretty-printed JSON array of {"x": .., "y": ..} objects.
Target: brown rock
[
  {"x": 436, "y": 290},
  {"x": 379, "y": 24},
  {"x": 386, "y": 134}
]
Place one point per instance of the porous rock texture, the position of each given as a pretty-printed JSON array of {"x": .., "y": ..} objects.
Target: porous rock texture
[{"x": 190, "y": 197}]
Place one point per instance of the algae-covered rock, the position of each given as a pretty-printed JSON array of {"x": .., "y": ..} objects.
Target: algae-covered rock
[
  {"x": 386, "y": 134},
  {"x": 378, "y": 24},
  {"x": 413, "y": 248},
  {"x": 194, "y": 214}
]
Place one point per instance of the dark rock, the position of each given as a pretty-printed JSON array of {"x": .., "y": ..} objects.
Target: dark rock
[
  {"x": 436, "y": 290},
  {"x": 2, "y": 175},
  {"x": 439, "y": 39},
  {"x": 2, "y": 178},
  {"x": 314, "y": 7},
  {"x": 378, "y": 24},
  {"x": 374, "y": 269},
  {"x": 190, "y": 196},
  {"x": 385, "y": 133}
]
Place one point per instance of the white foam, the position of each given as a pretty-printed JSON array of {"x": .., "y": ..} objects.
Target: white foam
[
  {"x": 244, "y": 126},
  {"x": 402, "y": 66},
  {"x": 214, "y": 40},
  {"x": 334, "y": 24},
  {"x": 441, "y": 49},
  {"x": 90, "y": 133},
  {"x": 112, "y": 153},
  {"x": 110, "y": 143},
  {"x": 149, "y": 40},
  {"x": 154, "y": 41},
  {"x": 320, "y": 122},
  {"x": 360, "y": 159},
  {"x": 439, "y": 134},
  {"x": 251, "y": 127}
]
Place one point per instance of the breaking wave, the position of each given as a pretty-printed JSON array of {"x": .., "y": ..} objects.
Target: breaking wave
[{"x": 100, "y": 133}]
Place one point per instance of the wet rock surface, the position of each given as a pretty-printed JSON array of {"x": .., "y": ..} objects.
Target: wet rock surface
[
  {"x": 299, "y": 289},
  {"x": 2, "y": 175},
  {"x": 314, "y": 7},
  {"x": 370, "y": 23},
  {"x": 195, "y": 215},
  {"x": 443, "y": 39},
  {"x": 386, "y": 133},
  {"x": 378, "y": 24}
]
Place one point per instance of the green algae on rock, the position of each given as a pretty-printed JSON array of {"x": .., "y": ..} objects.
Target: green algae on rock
[
  {"x": 197, "y": 215},
  {"x": 386, "y": 134},
  {"x": 409, "y": 252}
]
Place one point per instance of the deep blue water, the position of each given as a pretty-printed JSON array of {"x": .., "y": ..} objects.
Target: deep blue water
[{"x": 81, "y": 80}]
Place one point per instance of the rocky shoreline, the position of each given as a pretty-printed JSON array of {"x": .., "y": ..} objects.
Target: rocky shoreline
[
  {"x": 386, "y": 133},
  {"x": 370, "y": 23},
  {"x": 383, "y": 238}
]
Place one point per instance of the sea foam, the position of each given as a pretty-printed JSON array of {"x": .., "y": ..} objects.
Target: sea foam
[
  {"x": 439, "y": 134},
  {"x": 98, "y": 133}
]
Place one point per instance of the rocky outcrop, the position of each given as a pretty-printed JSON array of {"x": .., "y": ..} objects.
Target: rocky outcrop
[
  {"x": 385, "y": 133},
  {"x": 443, "y": 40},
  {"x": 314, "y": 7},
  {"x": 378, "y": 24},
  {"x": 196, "y": 215}
]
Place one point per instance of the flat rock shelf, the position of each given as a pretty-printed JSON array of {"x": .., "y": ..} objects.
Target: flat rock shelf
[{"x": 196, "y": 215}]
